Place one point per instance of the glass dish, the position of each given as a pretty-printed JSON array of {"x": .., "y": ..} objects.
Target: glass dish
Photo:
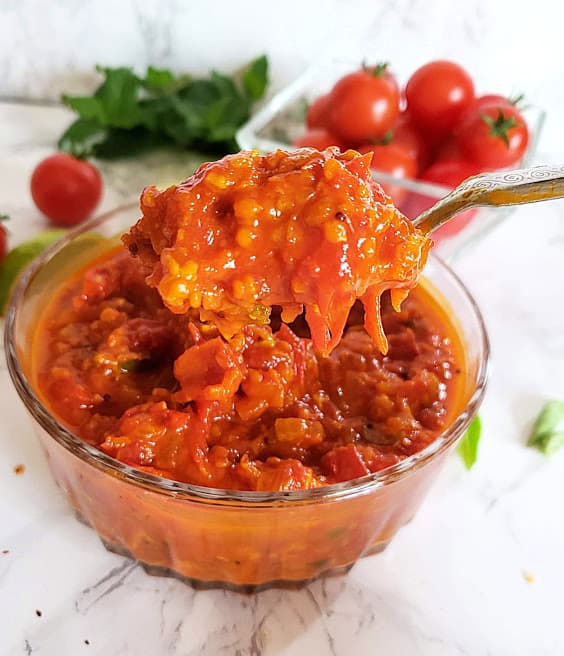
[
  {"x": 282, "y": 120},
  {"x": 213, "y": 537}
]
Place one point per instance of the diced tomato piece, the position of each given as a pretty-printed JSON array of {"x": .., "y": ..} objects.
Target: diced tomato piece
[
  {"x": 210, "y": 371},
  {"x": 285, "y": 474},
  {"x": 344, "y": 463},
  {"x": 148, "y": 335}
]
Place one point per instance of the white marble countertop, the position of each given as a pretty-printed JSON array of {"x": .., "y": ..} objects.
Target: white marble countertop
[{"x": 479, "y": 571}]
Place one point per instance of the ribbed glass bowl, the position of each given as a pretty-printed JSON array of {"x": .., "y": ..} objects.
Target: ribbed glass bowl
[{"x": 213, "y": 537}]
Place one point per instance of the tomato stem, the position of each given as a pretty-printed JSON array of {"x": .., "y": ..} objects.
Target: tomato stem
[
  {"x": 517, "y": 101},
  {"x": 500, "y": 126},
  {"x": 383, "y": 141},
  {"x": 377, "y": 71}
]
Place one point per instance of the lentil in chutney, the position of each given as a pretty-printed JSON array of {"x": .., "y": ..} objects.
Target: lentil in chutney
[{"x": 200, "y": 366}]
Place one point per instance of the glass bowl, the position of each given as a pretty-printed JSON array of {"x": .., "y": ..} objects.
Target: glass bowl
[
  {"x": 282, "y": 120},
  {"x": 213, "y": 537}
]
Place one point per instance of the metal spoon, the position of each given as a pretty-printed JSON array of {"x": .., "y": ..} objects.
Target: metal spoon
[{"x": 495, "y": 189}]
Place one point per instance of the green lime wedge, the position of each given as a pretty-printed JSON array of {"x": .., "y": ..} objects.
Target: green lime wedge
[{"x": 18, "y": 259}]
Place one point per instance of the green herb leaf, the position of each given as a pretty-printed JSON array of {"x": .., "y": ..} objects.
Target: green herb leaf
[
  {"x": 115, "y": 102},
  {"x": 18, "y": 259},
  {"x": 159, "y": 78},
  {"x": 136, "y": 365},
  {"x": 118, "y": 98},
  {"x": 88, "y": 108},
  {"x": 255, "y": 78},
  {"x": 125, "y": 143},
  {"x": 128, "y": 114},
  {"x": 81, "y": 137},
  {"x": 4, "y": 217},
  {"x": 468, "y": 445},
  {"x": 548, "y": 431}
]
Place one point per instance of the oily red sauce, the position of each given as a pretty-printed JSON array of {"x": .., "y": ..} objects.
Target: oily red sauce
[
  {"x": 261, "y": 410},
  {"x": 301, "y": 230}
]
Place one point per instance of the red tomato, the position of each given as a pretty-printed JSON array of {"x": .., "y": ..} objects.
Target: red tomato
[
  {"x": 437, "y": 95},
  {"x": 516, "y": 102},
  {"x": 448, "y": 174},
  {"x": 316, "y": 138},
  {"x": 66, "y": 189},
  {"x": 344, "y": 463},
  {"x": 494, "y": 99},
  {"x": 395, "y": 160},
  {"x": 409, "y": 137},
  {"x": 488, "y": 100},
  {"x": 318, "y": 112},
  {"x": 364, "y": 105},
  {"x": 3, "y": 242},
  {"x": 448, "y": 150},
  {"x": 494, "y": 136}
]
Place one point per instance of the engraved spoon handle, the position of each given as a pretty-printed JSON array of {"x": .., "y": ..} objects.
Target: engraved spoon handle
[{"x": 495, "y": 189}]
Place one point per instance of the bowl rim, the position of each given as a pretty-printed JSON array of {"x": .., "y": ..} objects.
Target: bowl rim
[{"x": 92, "y": 456}]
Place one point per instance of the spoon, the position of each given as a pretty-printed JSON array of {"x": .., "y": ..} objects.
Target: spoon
[{"x": 494, "y": 190}]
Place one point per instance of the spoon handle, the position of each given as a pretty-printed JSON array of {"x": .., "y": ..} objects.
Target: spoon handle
[{"x": 495, "y": 189}]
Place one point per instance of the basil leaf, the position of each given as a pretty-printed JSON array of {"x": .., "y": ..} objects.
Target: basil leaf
[
  {"x": 548, "y": 431},
  {"x": 82, "y": 136},
  {"x": 159, "y": 78},
  {"x": 255, "y": 78},
  {"x": 19, "y": 257},
  {"x": 468, "y": 445}
]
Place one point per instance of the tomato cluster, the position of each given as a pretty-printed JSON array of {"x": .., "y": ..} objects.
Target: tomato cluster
[{"x": 436, "y": 130}]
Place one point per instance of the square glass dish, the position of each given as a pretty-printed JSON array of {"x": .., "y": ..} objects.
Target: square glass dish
[{"x": 282, "y": 120}]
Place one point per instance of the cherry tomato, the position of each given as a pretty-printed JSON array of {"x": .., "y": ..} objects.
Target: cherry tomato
[
  {"x": 489, "y": 100},
  {"x": 448, "y": 174},
  {"x": 395, "y": 160},
  {"x": 318, "y": 112},
  {"x": 407, "y": 136},
  {"x": 364, "y": 105},
  {"x": 3, "y": 243},
  {"x": 66, "y": 189},
  {"x": 448, "y": 150},
  {"x": 494, "y": 99},
  {"x": 494, "y": 136},
  {"x": 316, "y": 138},
  {"x": 437, "y": 95}
]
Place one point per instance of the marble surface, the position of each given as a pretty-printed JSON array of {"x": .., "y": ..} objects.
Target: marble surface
[{"x": 478, "y": 572}]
